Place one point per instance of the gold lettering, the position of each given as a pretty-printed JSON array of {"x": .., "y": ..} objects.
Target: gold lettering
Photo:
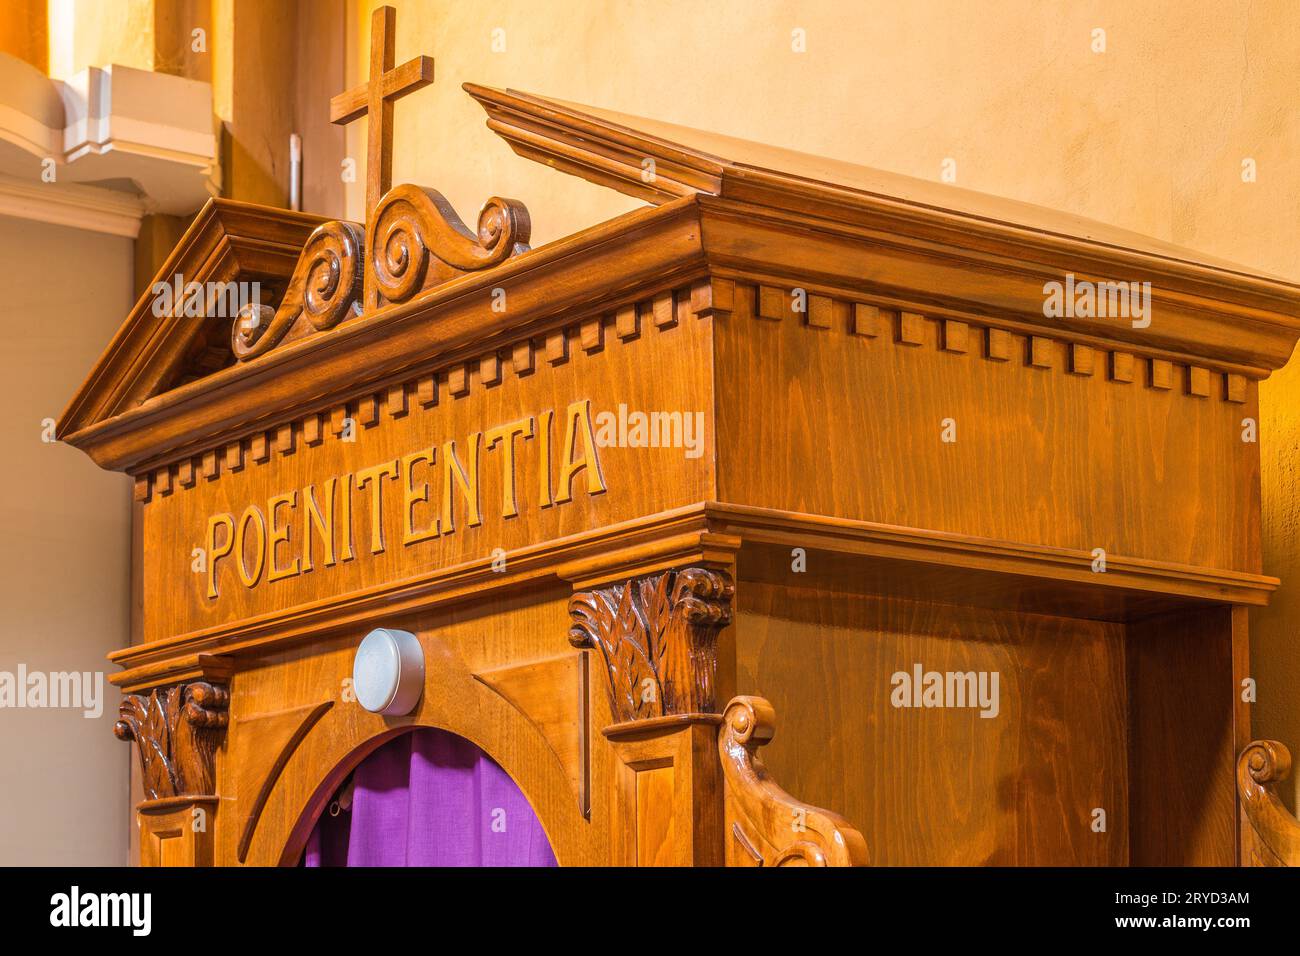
[
  {"x": 579, "y": 417},
  {"x": 454, "y": 473},
  {"x": 322, "y": 522},
  {"x": 374, "y": 477},
  {"x": 507, "y": 434},
  {"x": 216, "y": 551},
  {"x": 410, "y": 497},
  {"x": 252, "y": 516},
  {"x": 279, "y": 536},
  {"x": 345, "y": 519},
  {"x": 328, "y": 537},
  {"x": 544, "y": 457}
]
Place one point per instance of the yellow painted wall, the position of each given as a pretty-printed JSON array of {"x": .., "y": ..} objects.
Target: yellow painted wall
[
  {"x": 1275, "y": 630},
  {"x": 1149, "y": 135},
  {"x": 99, "y": 32},
  {"x": 24, "y": 32}
]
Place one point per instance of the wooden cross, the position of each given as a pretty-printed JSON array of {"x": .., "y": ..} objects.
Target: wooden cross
[{"x": 375, "y": 100}]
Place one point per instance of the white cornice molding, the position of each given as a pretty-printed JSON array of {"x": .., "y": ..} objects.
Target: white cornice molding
[
  {"x": 81, "y": 207},
  {"x": 113, "y": 123},
  {"x": 28, "y": 133}
]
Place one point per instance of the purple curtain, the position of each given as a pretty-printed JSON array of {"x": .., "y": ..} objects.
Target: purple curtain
[{"x": 430, "y": 798}]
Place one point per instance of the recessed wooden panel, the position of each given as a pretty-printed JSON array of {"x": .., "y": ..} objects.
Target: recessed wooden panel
[
  {"x": 944, "y": 786},
  {"x": 177, "y": 832},
  {"x": 654, "y": 816},
  {"x": 1183, "y": 698}
]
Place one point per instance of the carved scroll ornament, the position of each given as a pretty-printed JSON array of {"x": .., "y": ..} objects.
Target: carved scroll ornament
[
  {"x": 766, "y": 826},
  {"x": 419, "y": 241},
  {"x": 1260, "y": 768},
  {"x": 325, "y": 289},
  {"x": 658, "y": 637},
  {"x": 177, "y": 730}
]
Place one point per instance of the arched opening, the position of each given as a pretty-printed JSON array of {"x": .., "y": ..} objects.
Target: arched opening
[{"x": 428, "y": 798}]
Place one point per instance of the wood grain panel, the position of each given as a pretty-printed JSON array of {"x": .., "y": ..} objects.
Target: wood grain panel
[
  {"x": 177, "y": 832},
  {"x": 944, "y": 786},
  {"x": 851, "y": 426},
  {"x": 1182, "y": 699},
  {"x": 654, "y": 816},
  {"x": 552, "y": 694}
]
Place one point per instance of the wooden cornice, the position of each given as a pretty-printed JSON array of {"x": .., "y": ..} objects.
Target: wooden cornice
[
  {"x": 1205, "y": 307},
  {"x": 592, "y": 144},
  {"x": 1224, "y": 319},
  {"x": 612, "y": 149}
]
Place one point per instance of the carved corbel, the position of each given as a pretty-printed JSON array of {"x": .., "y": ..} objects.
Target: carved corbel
[
  {"x": 177, "y": 730},
  {"x": 657, "y": 636},
  {"x": 765, "y": 825},
  {"x": 1270, "y": 834}
]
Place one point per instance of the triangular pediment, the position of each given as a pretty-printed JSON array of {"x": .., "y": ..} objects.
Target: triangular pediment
[{"x": 180, "y": 329}]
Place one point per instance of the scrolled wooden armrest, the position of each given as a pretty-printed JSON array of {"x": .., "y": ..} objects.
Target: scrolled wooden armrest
[
  {"x": 1272, "y": 834},
  {"x": 765, "y": 825}
]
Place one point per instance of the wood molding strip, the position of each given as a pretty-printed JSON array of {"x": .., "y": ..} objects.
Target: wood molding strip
[{"x": 708, "y": 532}]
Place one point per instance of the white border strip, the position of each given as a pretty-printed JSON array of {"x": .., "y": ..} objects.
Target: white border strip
[{"x": 81, "y": 207}]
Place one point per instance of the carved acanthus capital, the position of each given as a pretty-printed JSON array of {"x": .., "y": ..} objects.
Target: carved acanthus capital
[
  {"x": 767, "y": 826},
  {"x": 177, "y": 730},
  {"x": 657, "y": 635}
]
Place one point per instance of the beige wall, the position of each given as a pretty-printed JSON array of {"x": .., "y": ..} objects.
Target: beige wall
[
  {"x": 65, "y": 564},
  {"x": 1149, "y": 135}
]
